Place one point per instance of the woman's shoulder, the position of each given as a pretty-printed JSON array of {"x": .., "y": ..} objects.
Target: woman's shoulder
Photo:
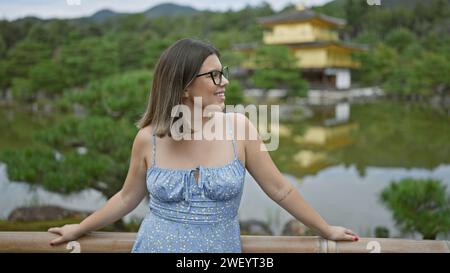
[{"x": 144, "y": 136}]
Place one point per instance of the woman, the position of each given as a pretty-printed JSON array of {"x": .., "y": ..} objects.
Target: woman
[{"x": 195, "y": 186}]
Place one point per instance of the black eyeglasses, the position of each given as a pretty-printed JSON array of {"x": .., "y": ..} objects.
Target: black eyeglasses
[{"x": 216, "y": 75}]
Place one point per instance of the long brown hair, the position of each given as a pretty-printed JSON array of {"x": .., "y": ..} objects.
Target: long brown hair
[{"x": 176, "y": 68}]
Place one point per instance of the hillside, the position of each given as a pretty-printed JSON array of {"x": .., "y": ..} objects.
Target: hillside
[{"x": 166, "y": 9}]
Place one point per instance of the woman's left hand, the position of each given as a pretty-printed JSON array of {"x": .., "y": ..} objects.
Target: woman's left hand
[{"x": 336, "y": 233}]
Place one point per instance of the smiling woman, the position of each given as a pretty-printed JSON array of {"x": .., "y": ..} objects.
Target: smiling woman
[{"x": 195, "y": 186}]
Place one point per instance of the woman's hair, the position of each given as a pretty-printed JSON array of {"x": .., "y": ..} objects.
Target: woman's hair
[{"x": 176, "y": 68}]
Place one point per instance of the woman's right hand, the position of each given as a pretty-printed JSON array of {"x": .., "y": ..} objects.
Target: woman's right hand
[{"x": 67, "y": 233}]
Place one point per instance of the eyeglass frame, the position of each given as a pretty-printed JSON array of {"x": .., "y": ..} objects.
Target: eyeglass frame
[{"x": 222, "y": 74}]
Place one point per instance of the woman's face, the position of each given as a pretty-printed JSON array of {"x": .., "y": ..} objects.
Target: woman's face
[{"x": 204, "y": 87}]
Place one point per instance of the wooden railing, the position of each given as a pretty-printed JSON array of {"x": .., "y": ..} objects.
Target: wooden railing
[{"x": 122, "y": 242}]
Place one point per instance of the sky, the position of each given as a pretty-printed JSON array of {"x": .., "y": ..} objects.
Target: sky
[{"x": 14, "y": 9}]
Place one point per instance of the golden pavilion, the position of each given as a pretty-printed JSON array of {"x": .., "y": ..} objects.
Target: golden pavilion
[{"x": 324, "y": 60}]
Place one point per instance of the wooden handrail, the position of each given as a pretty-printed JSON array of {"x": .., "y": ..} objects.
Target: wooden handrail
[{"x": 123, "y": 241}]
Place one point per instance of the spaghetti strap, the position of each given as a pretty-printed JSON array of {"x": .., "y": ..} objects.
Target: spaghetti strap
[{"x": 153, "y": 149}]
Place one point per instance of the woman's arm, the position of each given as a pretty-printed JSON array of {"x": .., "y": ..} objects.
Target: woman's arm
[
  {"x": 261, "y": 167},
  {"x": 123, "y": 202}
]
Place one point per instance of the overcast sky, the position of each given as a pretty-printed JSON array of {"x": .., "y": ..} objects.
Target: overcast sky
[{"x": 13, "y": 9}]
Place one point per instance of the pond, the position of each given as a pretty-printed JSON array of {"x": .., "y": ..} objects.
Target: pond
[{"x": 340, "y": 169}]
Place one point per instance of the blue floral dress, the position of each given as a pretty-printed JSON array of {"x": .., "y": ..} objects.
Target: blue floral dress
[{"x": 189, "y": 214}]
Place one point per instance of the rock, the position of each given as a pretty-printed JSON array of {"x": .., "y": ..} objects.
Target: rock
[
  {"x": 44, "y": 213},
  {"x": 255, "y": 227}
]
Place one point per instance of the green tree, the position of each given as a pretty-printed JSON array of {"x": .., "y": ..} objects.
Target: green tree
[
  {"x": 418, "y": 72},
  {"x": 24, "y": 55},
  {"x": 59, "y": 31},
  {"x": 131, "y": 51},
  {"x": 232, "y": 58},
  {"x": 46, "y": 77},
  {"x": 376, "y": 64},
  {"x": 29, "y": 68},
  {"x": 419, "y": 205},
  {"x": 434, "y": 69},
  {"x": 405, "y": 77},
  {"x": 4, "y": 81},
  {"x": 133, "y": 23},
  {"x": 355, "y": 13},
  {"x": 116, "y": 96},
  {"x": 14, "y": 31},
  {"x": 276, "y": 68},
  {"x": 40, "y": 34},
  {"x": 152, "y": 51},
  {"x": 234, "y": 94},
  {"x": 2, "y": 47},
  {"x": 88, "y": 59},
  {"x": 105, "y": 133},
  {"x": 22, "y": 89},
  {"x": 400, "y": 38}
]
